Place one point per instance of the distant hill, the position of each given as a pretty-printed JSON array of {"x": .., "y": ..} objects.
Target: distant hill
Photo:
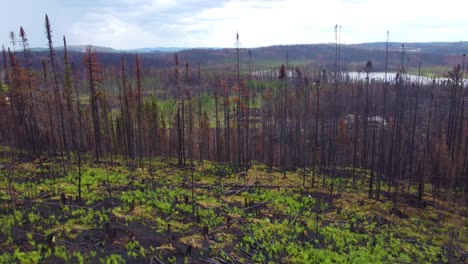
[
  {"x": 82, "y": 48},
  {"x": 352, "y": 56},
  {"x": 449, "y": 48},
  {"x": 453, "y": 48},
  {"x": 77, "y": 48},
  {"x": 158, "y": 49}
]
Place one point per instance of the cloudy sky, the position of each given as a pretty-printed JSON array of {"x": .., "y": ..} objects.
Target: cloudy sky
[{"x": 129, "y": 24}]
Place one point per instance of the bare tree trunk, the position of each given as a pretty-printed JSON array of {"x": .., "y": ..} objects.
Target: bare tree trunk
[
  {"x": 93, "y": 71},
  {"x": 218, "y": 136},
  {"x": 32, "y": 108},
  {"x": 414, "y": 130},
  {"x": 239, "y": 103},
  {"x": 58, "y": 102},
  {"x": 382, "y": 126},
  {"x": 139, "y": 110}
]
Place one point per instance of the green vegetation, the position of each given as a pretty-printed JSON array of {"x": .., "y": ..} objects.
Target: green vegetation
[
  {"x": 261, "y": 217},
  {"x": 434, "y": 71}
]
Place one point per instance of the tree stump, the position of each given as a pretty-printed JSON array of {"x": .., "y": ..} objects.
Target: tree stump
[
  {"x": 205, "y": 230},
  {"x": 63, "y": 198}
]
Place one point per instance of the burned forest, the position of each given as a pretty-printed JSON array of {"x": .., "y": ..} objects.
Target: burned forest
[{"x": 183, "y": 157}]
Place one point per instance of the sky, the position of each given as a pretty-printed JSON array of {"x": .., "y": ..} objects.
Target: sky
[{"x": 131, "y": 24}]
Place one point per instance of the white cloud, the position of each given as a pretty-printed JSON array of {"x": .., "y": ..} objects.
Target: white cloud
[
  {"x": 111, "y": 31},
  {"x": 295, "y": 21},
  {"x": 148, "y": 23}
]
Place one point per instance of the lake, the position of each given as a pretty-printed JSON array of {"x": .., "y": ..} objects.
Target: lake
[{"x": 380, "y": 76}]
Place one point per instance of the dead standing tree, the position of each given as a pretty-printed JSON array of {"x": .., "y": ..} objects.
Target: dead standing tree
[
  {"x": 32, "y": 109},
  {"x": 139, "y": 110},
  {"x": 94, "y": 70},
  {"x": 58, "y": 100}
]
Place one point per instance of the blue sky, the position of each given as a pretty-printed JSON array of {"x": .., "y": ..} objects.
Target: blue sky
[{"x": 129, "y": 24}]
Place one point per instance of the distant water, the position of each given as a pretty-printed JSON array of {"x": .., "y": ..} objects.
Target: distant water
[
  {"x": 374, "y": 76},
  {"x": 380, "y": 76}
]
